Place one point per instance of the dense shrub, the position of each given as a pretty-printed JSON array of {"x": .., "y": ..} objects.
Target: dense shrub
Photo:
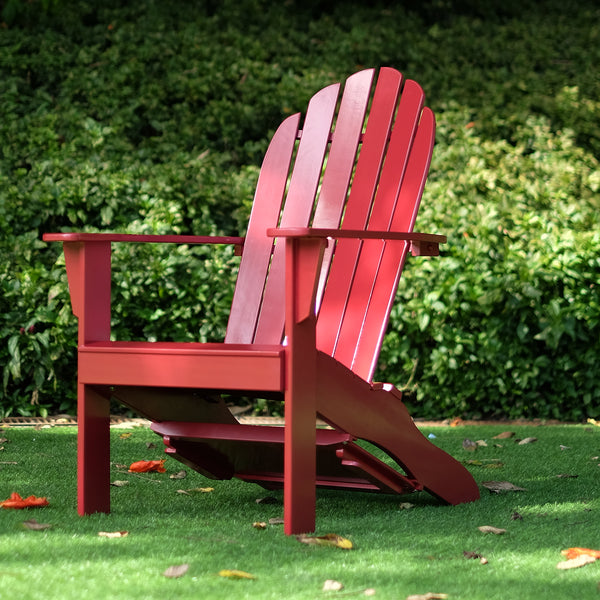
[{"x": 153, "y": 117}]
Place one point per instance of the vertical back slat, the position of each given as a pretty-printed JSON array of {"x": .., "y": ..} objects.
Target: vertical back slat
[
  {"x": 392, "y": 178},
  {"x": 258, "y": 247},
  {"x": 342, "y": 159},
  {"x": 366, "y": 177},
  {"x": 304, "y": 181},
  {"x": 394, "y": 253}
]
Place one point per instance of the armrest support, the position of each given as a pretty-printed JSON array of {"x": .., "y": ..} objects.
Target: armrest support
[{"x": 421, "y": 244}]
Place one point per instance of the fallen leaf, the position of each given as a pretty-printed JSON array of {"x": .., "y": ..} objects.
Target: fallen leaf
[
  {"x": 574, "y": 552},
  {"x": 4, "y": 440},
  {"x": 276, "y": 521},
  {"x": 178, "y": 475},
  {"x": 456, "y": 422},
  {"x": 329, "y": 539},
  {"x": 527, "y": 440},
  {"x": 259, "y": 525},
  {"x": 144, "y": 466},
  {"x": 574, "y": 563},
  {"x": 567, "y": 476},
  {"x": 33, "y": 525},
  {"x": 15, "y": 501},
  {"x": 235, "y": 574},
  {"x": 482, "y": 559},
  {"x": 150, "y": 445},
  {"x": 469, "y": 445},
  {"x": 406, "y": 505},
  {"x": 176, "y": 571},
  {"x": 481, "y": 443},
  {"x": 183, "y": 492},
  {"x": 202, "y": 490},
  {"x": 119, "y": 483},
  {"x": 331, "y": 585},
  {"x": 501, "y": 486},
  {"x": 504, "y": 435},
  {"x": 125, "y": 436},
  {"x": 516, "y": 517},
  {"x": 113, "y": 534},
  {"x": 267, "y": 500},
  {"x": 565, "y": 447},
  {"x": 427, "y": 596},
  {"x": 369, "y": 592},
  {"x": 490, "y": 529}
]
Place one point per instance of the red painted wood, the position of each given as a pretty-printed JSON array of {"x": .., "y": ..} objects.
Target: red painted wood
[
  {"x": 358, "y": 207},
  {"x": 394, "y": 254},
  {"x": 300, "y": 466},
  {"x": 391, "y": 180},
  {"x": 298, "y": 208},
  {"x": 167, "y": 381},
  {"x": 141, "y": 238},
  {"x": 248, "y": 295},
  {"x": 187, "y": 365},
  {"x": 93, "y": 451}
]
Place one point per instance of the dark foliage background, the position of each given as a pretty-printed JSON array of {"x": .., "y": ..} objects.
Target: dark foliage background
[{"x": 153, "y": 116}]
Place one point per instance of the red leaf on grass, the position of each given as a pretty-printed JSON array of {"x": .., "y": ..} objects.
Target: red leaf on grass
[
  {"x": 144, "y": 466},
  {"x": 575, "y": 552},
  {"x": 15, "y": 501}
]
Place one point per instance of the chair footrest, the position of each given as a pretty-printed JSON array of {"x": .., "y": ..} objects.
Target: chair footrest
[{"x": 254, "y": 453}]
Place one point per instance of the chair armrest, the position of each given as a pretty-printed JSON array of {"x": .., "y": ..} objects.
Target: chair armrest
[
  {"x": 421, "y": 244},
  {"x": 143, "y": 238}
]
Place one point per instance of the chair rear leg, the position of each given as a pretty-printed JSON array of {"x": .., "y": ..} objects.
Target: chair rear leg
[{"x": 93, "y": 451}]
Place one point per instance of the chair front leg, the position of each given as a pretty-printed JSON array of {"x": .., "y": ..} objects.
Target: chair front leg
[
  {"x": 93, "y": 451},
  {"x": 303, "y": 261}
]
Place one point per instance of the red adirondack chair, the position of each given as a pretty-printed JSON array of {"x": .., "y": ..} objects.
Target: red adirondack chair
[{"x": 331, "y": 226}]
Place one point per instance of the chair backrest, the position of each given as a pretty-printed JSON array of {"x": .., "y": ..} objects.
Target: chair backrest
[{"x": 352, "y": 170}]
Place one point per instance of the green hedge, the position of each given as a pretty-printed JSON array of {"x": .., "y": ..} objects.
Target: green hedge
[{"x": 153, "y": 117}]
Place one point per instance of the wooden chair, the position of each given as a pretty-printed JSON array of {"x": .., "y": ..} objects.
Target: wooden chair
[{"x": 331, "y": 226}]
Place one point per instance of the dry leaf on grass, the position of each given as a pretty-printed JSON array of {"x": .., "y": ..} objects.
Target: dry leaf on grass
[
  {"x": 574, "y": 552},
  {"x": 575, "y": 563},
  {"x": 33, "y": 525},
  {"x": 406, "y": 505},
  {"x": 501, "y": 486},
  {"x": 15, "y": 501},
  {"x": 235, "y": 574},
  {"x": 178, "y": 475},
  {"x": 259, "y": 525},
  {"x": 504, "y": 435},
  {"x": 267, "y": 500},
  {"x": 527, "y": 440},
  {"x": 145, "y": 466},
  {"x": 125, "y": 436},
  {"x": 331, "y": 585},
  {"x": 490, "y": 529},
  {"x": 329, "y": 539},
  {"x": 469, "y": 445},
  {"x": 427, "y": 596},
  {"x": 276, "y": 521},
  {"x": 482, "y": 559},
  {"x": 113, "y": 534},
  {"x": 119, "y": 483},
  {"x": 176, "y": 571}
]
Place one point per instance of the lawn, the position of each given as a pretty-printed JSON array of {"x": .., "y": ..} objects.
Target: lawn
[{"x": 398, "y": 549}]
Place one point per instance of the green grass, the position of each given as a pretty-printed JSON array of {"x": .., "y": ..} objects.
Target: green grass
[{"x": 397, "y": 552}]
